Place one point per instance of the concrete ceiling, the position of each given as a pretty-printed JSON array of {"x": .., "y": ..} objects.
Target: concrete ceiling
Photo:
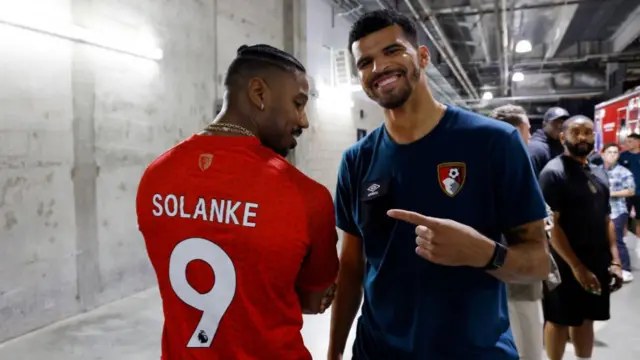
[{"x": 573, "y": 43}]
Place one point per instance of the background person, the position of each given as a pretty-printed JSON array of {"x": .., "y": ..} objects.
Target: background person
[
  {"x": 583, "y": 243},
  {"x": 621, "y": 186},
  {"x": 545, "y": 144},
  {"x": 525, "y": 306}
]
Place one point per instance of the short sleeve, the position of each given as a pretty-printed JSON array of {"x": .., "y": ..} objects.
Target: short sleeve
[
  {"x": 628, "y": 181},
  {"x": 344, "y": 198},
  {"x": 538, "y": 158},
  {"x": 552, "y": 184},
  {"x": 320, "y": 267},
  {"x": 518, "y": 197}
]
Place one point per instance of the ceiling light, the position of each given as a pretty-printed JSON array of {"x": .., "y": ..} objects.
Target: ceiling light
[
  {"x": 517, "y": 76},
  {"x": 523, "y": 46},
  {"x": 488, "y": 95}
]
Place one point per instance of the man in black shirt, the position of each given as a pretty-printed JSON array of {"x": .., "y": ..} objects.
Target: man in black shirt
[
  {"x": 583, "y": 242},
  {"x": 545, "y": 144}
]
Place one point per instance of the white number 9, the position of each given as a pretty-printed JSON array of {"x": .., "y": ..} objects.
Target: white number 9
[{"x": 212, "y": 304}]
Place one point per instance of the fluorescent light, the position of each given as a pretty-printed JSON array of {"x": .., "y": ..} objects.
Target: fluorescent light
[
  {"x": 488, "y": 95},
  {"x": 334, "y": 98},
  {"x": 71, "y": 32},
  {"x": 523, "y": 46},
  {"x": 517, "y": 76}
]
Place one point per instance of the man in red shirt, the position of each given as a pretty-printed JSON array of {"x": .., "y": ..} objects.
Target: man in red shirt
[{"x": 241, "y": 241}]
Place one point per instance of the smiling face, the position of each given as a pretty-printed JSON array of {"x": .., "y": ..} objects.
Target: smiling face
[{"x": 389, "y": 66}]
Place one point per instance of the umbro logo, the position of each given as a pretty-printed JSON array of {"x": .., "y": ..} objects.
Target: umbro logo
[{"x": 373, "y": 189}]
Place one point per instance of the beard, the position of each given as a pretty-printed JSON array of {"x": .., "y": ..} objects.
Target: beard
[
  {"x": 398, "y": 96},
  {"x": 580, "y": 149}
]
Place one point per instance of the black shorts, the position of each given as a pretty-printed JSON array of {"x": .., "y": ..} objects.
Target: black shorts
[
  {"x": 570, "y": 305},
  {"x": 634, "y": 202}
]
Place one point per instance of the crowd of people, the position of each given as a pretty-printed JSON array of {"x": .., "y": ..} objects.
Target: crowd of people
[{"x": 446, "y": 254}]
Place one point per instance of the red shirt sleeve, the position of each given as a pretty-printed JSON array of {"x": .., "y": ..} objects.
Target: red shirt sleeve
[{"x": 320, "y": 267}]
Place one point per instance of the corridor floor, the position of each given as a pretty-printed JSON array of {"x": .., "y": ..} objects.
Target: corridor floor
[{"x": 130, "y": 330}]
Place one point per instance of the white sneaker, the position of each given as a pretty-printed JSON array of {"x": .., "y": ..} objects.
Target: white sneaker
[{"x": 627, "y": 276}]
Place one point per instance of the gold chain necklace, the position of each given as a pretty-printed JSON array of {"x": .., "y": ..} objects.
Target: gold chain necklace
[{"x": 228, "y": 128}]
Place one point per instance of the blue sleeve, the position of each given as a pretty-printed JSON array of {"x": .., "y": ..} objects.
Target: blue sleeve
[
  {"x": 518, "y": 196},
  {"x": 538, "y": 157},
  {"x": 344, "y": 198}
]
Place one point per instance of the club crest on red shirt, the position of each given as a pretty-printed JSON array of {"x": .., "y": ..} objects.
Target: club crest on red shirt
[{"x": 205, "y": 161}]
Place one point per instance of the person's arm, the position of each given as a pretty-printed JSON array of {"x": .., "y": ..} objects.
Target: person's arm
[
  {"x": 527, "y": 259},
  {"x": 613, "y": 245},
  {"x": 521, "y": 212},
  {"x": 628, "y": 185},
  {"x": 316, "y": 281},
  {"x": 348, "y": 294},
  {"x": 352, "y": 264}
]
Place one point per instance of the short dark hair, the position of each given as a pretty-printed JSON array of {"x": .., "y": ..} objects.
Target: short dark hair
[
  {"x": 634, "y": 136},
  {"x": 379, "y": 19},
  {"x": 251, "y": 60},
  {"x": 512, "y": 114},
  {"x": 609, "y": 145}
]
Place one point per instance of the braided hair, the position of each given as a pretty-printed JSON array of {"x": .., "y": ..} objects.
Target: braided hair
[{"x": 254, "y": 60}]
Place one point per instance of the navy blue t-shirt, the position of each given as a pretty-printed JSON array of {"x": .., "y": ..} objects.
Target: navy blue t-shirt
[
  {"x": 632, "y": 162},
  {"x": 470, "y": 169}
]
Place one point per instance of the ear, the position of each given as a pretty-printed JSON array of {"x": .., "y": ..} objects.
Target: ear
[
  {"x": 562, "y": 137},
  {"x": 423, "y": 56},
  {"x": 259, "y": 94}
]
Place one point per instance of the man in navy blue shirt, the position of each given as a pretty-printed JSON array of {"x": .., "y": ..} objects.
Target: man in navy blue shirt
[
  {"x": 630, "y": 158},
  {"x": 432, "y": 273},
  {"x": 545, "y": 144}
]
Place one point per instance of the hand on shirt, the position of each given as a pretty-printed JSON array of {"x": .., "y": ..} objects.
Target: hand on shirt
[{"x": 447, "y": 242}]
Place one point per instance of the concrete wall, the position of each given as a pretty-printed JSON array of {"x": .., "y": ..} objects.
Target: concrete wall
[
  {"x": 333, "y": 123},
  {"x": 79, "y": 124}
]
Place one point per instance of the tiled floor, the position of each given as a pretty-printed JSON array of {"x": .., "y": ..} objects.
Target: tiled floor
[{"x": 130, "y": 330}]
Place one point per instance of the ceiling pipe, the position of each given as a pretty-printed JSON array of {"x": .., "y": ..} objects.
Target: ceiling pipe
[
  {"x": 611, "y": 57},
  {"x": 540, "y": 98},
  {"x": 450, "y": 54},
  {"x": 483, "y": 40},
  {"x": 469, "y": 11},
  {"x": 501, "y": 6},
  {"x": 458, "y": 76}
]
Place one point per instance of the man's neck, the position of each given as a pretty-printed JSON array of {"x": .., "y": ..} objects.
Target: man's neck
[
  {"x": 609, "y": 166},
  {"x": 228, "y": 116},
  {"x": 416, "y": 118},
  {"x": 634, "y": 151}
]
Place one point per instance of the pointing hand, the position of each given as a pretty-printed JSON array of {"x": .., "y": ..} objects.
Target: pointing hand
[{"x": 447, "y": 242}]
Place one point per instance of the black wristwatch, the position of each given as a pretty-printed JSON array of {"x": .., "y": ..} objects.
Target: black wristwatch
[{"x": 498, "y": 257}]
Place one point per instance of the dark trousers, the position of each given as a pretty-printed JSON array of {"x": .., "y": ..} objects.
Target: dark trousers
[{"x": 620, "y": 223}]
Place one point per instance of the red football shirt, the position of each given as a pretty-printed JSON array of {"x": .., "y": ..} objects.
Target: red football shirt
[{"x": 232, "y": 229}]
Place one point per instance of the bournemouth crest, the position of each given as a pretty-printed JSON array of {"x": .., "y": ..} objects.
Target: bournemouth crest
[
  {"x": 205, "y": 161},
  {"x": 451, "y": 177}
]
